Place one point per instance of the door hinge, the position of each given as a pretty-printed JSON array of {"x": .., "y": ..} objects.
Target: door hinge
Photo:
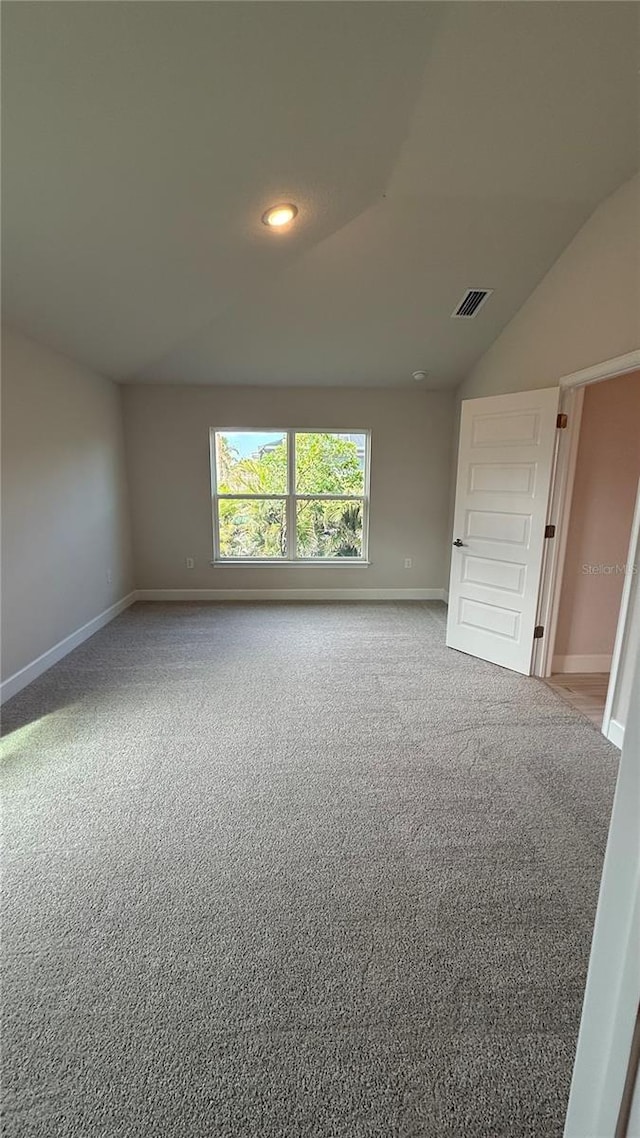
[
  {"x": 561, "y": 421},
  {"x": 538, "y": 632},
  {"x": 549, "y": 531}
]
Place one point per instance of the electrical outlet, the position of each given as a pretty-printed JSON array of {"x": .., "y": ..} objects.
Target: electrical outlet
[
  {"x": 408, "y": 562},
  {"x": 109, "y": 577},
  {"x": 190, "y": 563}
]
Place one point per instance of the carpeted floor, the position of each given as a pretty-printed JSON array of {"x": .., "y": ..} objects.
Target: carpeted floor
[{"x": 294, "y": 871}]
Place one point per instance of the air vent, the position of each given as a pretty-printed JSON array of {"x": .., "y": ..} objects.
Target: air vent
[{"x": 471, "y": 303}]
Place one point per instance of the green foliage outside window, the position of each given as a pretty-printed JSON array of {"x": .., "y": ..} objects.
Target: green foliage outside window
[{"x": 324, "y": 464}]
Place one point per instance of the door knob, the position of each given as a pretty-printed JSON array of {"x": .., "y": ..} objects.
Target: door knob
[{"x": 458, "y": 542}]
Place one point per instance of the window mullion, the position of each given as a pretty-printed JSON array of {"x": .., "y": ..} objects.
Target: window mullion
[
  {"x": 330, "y": 497},
  {"x": 292, "y": 544}
]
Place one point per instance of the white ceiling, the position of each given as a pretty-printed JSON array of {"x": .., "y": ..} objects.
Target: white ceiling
[{"x": 429, "y": 147}]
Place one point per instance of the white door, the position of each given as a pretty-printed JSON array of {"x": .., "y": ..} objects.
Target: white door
[{"x": 507, "y": 447}]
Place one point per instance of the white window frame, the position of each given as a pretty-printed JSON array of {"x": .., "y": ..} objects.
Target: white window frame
[{"x": 290, "y": 497}]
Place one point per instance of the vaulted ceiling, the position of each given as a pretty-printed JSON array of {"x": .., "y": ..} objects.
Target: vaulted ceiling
[{"x": 429, "y": 148}]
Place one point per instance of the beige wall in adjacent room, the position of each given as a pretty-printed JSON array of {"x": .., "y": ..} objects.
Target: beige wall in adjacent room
[
  {"x": 585, "y": 310},
  {"x": 167, "y": 433},
  {"x": 604, "y": 495},
  {"x": 65, "y": 520}
]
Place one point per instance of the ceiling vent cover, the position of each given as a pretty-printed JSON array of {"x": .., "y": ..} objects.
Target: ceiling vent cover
[{"x": 471, "y": 303}]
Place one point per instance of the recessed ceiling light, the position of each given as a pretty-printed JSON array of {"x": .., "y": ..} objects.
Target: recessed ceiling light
[
  {"x": 419, "y": 375},
  {"x": 279, "y": 215}
]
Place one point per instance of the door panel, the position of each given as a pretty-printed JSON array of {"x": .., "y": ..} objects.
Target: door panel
[
  {"x": 507, "y": 446},
  {"x": 501, "y": 429},
  {"x": 507, "y": 575},
  {"x": 510, "y": 478},
  {"x": 493, "y": 525}
]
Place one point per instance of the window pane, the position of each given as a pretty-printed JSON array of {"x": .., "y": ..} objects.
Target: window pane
[
  {"x": 251, "y": 462},
  {"x": 330, "y": 463},
  {"x": 329, "y": 528},
  {"x": 252, "y": 529}
]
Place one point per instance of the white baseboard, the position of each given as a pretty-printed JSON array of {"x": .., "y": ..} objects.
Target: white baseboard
[
  {"x": 19, "y": 680},
  {"x": 615, "y": 733},
  {"x": 581, "y": 664},
  {"x": 290, "y": 594}
]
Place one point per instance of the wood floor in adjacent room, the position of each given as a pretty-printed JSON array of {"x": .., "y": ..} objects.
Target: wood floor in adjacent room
[{"x": 586, "y": 691}]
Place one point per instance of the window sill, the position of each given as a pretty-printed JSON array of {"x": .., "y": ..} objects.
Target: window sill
[{"x": 326, "y": 563}]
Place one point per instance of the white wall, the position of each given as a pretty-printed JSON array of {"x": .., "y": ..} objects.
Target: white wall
[
  {"x": 613, "y": 980},
  {"x": 585, "y": 310},
  {"x": 65, "y": 520},
  {"x": 167, "y": 432}
]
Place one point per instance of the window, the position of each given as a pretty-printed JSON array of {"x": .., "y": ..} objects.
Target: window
[{"x": 290, "y": 496}]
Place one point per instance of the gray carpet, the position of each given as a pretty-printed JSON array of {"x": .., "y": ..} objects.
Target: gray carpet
[{"x": 294, "y": 870}]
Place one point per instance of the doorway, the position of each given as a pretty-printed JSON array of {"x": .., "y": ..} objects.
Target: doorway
[
  {"x": 512, "y": 555},
  {"x": 589, "y": 585}
]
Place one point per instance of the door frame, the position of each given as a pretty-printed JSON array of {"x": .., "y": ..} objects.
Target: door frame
[
  {"x": 612, "y": 991},
  {"x": 562, "y": 481},
  {"x": 610, "y": 726}
]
